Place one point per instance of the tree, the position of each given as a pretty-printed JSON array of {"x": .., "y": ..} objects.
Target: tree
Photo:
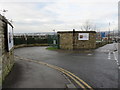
[{"x": 88, "y": 26}]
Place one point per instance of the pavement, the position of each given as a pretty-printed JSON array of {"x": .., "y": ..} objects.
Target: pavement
[
  {"x": 96, "y": 67},
  {"x": 31, "y": 75}
]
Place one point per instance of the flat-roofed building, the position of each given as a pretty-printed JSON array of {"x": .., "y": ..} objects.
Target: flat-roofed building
[{"x": 77, "y": 39}]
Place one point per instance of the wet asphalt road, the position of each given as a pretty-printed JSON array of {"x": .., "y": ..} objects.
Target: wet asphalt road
[
  {"x": 30, "y": 75},
  {"x": 93, "y": 67}
]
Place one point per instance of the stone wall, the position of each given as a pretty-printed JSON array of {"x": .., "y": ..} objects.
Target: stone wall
[
  {"x": 66, "y": 40},
  {"x": 1, "y": 36},
  {"x": 69, "y": 40},
  {"x": 85, "y": 44},
  {"x": 6, "y": 58}
]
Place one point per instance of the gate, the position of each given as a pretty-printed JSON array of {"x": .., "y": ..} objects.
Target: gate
[{"x": 53, "y": 40}]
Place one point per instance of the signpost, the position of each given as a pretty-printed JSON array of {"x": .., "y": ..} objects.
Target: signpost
[
  {"x": 83, "y": 36},
  {"x": 103, "y": 34}
]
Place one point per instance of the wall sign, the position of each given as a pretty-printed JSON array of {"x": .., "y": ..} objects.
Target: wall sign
[
  {"x": 83, "y": 36},
  {"x": 54, "y": 41},
  {"x": 10, "y": 37}
]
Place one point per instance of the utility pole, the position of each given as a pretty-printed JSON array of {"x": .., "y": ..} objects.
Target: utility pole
[
  {"x": 113, "y": 34},
  {"x": 54, "y": 31},
  {"x": 54, "y": 38}
]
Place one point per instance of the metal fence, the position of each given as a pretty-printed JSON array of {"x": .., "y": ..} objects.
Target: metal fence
[
  {"x": 29, "y": 40},
  {"x": 53, "y": 40}
]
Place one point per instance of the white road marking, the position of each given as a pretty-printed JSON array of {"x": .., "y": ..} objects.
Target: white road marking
[
  {"x": 116, "y": 46},
  {"x": 115, "y": 57},
  {"x": 112, "y": 50},
  {"x": 89, "y": 54},
  {"x": 109, "y": 55}
]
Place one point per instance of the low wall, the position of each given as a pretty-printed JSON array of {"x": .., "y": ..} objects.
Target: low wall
[
  {"x": 100, "y": 44},
  {"x": 29, "y": 45}
]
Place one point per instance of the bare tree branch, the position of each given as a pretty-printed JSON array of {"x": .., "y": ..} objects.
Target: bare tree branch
[{"x": 88, "y": 26}]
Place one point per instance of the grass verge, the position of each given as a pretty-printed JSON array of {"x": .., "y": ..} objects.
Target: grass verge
[{"x": 51, "y": 48}]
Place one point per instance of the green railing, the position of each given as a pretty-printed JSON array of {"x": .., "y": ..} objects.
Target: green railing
[
  {"x": 53, "y": 40},
  {"x": 29, "y": 40}
]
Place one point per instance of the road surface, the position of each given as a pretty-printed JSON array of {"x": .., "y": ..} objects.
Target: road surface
[{"x": 97, "y": 67}]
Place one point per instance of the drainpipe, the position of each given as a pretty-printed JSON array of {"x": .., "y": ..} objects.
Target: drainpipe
[{"x": 73, "y": 38}]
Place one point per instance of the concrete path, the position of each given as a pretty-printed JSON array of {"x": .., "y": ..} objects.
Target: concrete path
[{"x": 31, "y": 75}]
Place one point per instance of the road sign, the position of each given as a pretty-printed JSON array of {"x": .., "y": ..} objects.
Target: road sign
[{"x": 103, "y": 34}]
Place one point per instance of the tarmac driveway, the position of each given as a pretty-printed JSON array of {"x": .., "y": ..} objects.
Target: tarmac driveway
[{"x": 93, "y": 67}]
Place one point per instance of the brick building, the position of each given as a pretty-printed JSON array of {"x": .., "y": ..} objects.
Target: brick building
[{"x": 77, "y": 39}]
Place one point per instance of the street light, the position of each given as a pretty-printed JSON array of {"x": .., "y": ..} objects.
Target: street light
[
  {"x": 54, "y": 31},
  {"x": 54, "y": 41},
  {"x": 111, "y": 34},
  {"x": 3, "y": 12}
]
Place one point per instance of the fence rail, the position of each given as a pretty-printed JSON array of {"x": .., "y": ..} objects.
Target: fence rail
[
  {"x": 51, "y": 40},
  {"x": 29, "y": 40}
]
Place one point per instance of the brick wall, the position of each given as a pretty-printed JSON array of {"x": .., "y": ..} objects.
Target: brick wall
[
  {"x": 0, "y": 51},
  {"x": 6, "y": 58}
]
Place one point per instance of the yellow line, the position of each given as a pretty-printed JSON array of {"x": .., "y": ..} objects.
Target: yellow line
[
  {"x": 79, "y": 79},
  {"x": 54, "y": 67},
  {"x": 75, "y": 80},
  {"x": 63, "y": 71},
  {"x": 76, "y": 77},
  {"x": 68, "y": 75}
]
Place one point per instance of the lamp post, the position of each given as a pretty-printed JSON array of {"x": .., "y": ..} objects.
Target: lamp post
[
  {"x": 54, "y": 31},
  {"x": 111, "y": 33},
  {"x": 54, "y": 41}
]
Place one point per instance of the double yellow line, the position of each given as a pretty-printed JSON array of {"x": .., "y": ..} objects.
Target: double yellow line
[{"x": 75, "y": 78}]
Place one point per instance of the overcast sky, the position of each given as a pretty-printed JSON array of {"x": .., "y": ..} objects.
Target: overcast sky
[{"x": 47, "y": 15}]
